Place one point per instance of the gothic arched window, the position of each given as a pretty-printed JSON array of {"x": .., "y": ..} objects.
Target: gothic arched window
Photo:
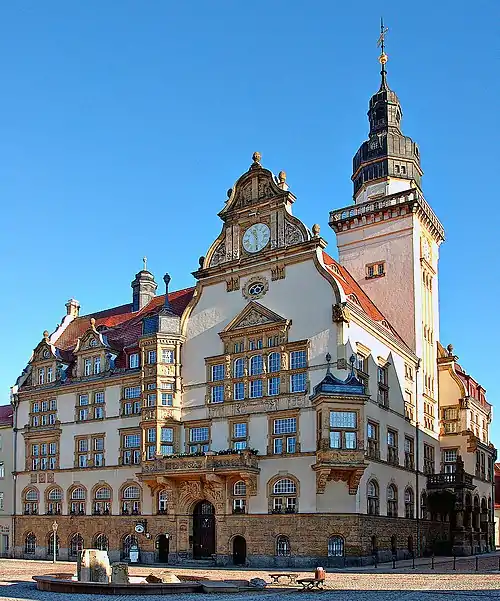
[{"x": 282, "y": 546}]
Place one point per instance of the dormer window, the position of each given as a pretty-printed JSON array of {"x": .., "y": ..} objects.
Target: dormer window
[
  {"x": 87, "y": 367},
  {"x": 41, "y": 375},
  {"x": 133, "y": 361},
  {"x": 97, "y": 365}
]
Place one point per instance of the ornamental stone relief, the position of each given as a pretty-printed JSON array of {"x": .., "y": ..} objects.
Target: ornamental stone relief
[
  {"x": 219, "y": 255},
  {"x": 292, "y": 234},
  {"x": 255, "y": 287},
  {"x": 245, "y": 407},
  {"x": 254, "y": 318}
]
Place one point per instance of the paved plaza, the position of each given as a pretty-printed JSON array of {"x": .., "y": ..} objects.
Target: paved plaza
[{"x": 367, "y": 584}]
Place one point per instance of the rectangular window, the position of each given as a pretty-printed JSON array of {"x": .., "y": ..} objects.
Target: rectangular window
[
  {"x": 240, "y": 430},
  {"x": 151, "y": 357},
  {"x": 167, "y": 356},
  {"x": 2, "y": 470},
  {"x": 151, "y": 435},
  {"x": 373, "y": 448},
  {"x": 98, "y": 459},
  {"x": 132, "y": 392},
  {"x": 82, "y": 460},
  {"x": 151, "y": 400},
  {"x": 150, "y": 452},
  {"x": 98, "y": 412},
  {"x": 282, "y": 441},
  {"x": 450, "y": 413},
  {"x": 167, "y": 399},
  {"x": 36, "y": 407},
  {"x": 239, "y": 347},
  {"x": 298, "y": 359},
  {"x": 383, "y": 387},
  {"x": 99, "y": 398},
  {"x": 198, "y": 434},
  {"x": 273, "y": 386},
  {"x": 409, "y": 453},
  {"x": 133, "y": 361},
  {"x": 285, "y": 425},
  {"x": 450, "y": 455},
  {"x": 239, "y": 391},
  {"x": 167, "y": 435},
  {"x": 166, "y": 386},
  {"x": 392, "y": 447},
  {"x": 217, "y": 372},
  {"x": 343, "y": 430},
  {"x": 255, "y": 389},
  {"x": 49, "y": 374},
  {"x": 45, "y": 406},
  {"x": 52, "y": 448},
  {"x": 45, "y": 420},
  {"x": 151, "y": 386},
  {"x": 98, "y": 444},
  {"x": 83, "y": 415},
  {"x": 217, "y": 394},
  {"x": 87, "y": 367},
  {"x": 166, "y": 449},
  {"x": 298, "y": 382},
  {"x": 83, "y": 445},
  {"x": 41, "y": 375},
  {"x": 97, "y": 365},
  {"x": 132, "y": 441},
  {"x": 83, "y": 400}
]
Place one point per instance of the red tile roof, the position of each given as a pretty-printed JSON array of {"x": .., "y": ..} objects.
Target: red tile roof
[
  {"x": 472, "y": 388},
  {"x": 356, "y": 294},
  {"x": 123, "y": 326},
  {"x": 6, "y": 414}
]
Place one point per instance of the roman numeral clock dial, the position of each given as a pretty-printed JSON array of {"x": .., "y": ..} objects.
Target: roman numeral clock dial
[{"x": 256, "y": 237}]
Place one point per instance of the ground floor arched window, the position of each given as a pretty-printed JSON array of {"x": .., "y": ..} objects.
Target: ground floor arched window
[
  {"x": 283, "y": 546},
  {"x": 335, "y": 546},
  {"x": 129, "y": 541},
  {"x": 30, "y": 544},
  {"x": 75, "y": 544},
  {"x": 101, "y": 542}
]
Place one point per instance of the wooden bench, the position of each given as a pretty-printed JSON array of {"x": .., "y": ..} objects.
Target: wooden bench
[
  {"x": 276, "y": 577},
  {"x": 308, "y": 584}
]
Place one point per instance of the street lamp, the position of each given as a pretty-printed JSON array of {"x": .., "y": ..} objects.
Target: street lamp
[{"x": 55, "y": 526}]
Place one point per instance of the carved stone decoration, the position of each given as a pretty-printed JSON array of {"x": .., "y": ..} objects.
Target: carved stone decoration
[
  {"x": 278, "y": 272},
  {"x": 219, "y": 255},
  {"x": 33, "y": 478},
  {"x": 41, "y": 477},
  {"x": 254, "y": 318},
  {"x": 189, "y": 491},
  {"x": 251, "y": 484},
  {"x": 227, "y": 360},
  {"x": 322, "y": 477},
  {"x": 232, "y": 284},
  {"x": 340, "y": 313},
  {"x": 284, "y": 358},
  {"x": 265, "y": 190},
  {"x": 354, "y": 480},
  {"x": 292, "y": 234},
  {"x": 50, "y": 477},
  {"x": 255, "y": 287}
]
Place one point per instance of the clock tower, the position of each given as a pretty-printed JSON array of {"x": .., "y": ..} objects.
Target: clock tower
[{"x": 389, "y": 238}]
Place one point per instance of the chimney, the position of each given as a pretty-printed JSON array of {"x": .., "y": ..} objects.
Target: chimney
[
  {"x": 72, "y": 308},
  {"x": 143, "y": 288}
]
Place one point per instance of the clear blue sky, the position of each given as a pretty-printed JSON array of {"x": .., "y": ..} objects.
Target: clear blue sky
[{"x": 123, "y": 123}]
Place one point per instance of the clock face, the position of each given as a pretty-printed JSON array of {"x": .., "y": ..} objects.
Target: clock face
[{"x": 256, "y": 237}]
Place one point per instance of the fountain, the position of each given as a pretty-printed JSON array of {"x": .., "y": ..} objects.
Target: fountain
[{"x": 95, "y": 575}]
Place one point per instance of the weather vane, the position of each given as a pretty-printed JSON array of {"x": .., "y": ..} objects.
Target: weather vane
[{"x": 381, "y": 42}]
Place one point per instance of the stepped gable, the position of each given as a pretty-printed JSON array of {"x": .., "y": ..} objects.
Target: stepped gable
[
  {"x": 357, "y": 295},
  {"x": 122, "y": 326}
]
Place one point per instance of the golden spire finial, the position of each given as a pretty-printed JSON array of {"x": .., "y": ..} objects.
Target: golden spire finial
[{"x": 383, "y": 58}]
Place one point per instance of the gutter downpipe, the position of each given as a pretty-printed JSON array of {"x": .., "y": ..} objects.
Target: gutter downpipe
[{"x": 417, "y": 459}]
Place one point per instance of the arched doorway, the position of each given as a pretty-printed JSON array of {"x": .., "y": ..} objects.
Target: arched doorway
[
  {"x": 239, "y": 551},
  {"x": 163, "y": 545},
  {"x": 203, "y": 530}
]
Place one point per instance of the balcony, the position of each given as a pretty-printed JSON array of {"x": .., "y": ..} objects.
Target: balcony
[
  {"x": 189, "y": 465},
  {"x": 455, "y": 480}
]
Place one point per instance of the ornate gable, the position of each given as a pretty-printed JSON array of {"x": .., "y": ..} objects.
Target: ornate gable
[
  {"x": 44, "y": 351},
  {"x": 253, "y": 316},
  {"x": 91, "y": 340}
]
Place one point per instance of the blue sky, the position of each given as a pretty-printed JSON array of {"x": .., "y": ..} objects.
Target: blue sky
[{"x": 123, "y": 123}]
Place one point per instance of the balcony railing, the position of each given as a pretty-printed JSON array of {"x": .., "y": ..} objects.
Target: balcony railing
[
  {"x": 450, "y": 480},
  {"x": 392, "y": 456},
  {"x": 372, "y": 451},
  {"x": 208, "y": 462},
  {"x": 409, "y": 461}
]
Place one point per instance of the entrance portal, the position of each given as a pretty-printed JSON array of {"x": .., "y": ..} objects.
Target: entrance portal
[
  {"x": 163, "y": 543},
  {"x": 203, "y": 530},
  {"x": 239, "y": 551}
]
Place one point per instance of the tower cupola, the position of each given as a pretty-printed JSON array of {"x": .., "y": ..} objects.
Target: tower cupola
[
  {"x": 388, "y": 161},
  {"x": 143, "y": 288}
]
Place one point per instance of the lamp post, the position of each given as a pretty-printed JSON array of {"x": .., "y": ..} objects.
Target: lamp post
[{"x": 55, "y": 526}]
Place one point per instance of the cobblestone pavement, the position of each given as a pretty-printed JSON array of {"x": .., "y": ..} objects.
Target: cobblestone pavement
[{"x": 403, "y": 584}]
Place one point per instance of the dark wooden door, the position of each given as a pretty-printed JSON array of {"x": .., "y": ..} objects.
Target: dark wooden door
[
  {"x": 163, "y": 548},
  {"x": 239, "y": 551},
  {"x": 203, "y": 530}
]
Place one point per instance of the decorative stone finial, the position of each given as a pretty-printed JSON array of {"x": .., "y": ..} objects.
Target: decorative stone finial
[
  {"x": 92, "y": 323},
  {"x": 282, "y": 177},
  {"x": 315, "y": 230},
  {"x": 229, "y": 192},
  {"x": 352, "y": 361},
  {"x": 256, "y": 157},
  {"x": 46, "y": 335},
  {"x": 449, "y": 348},
  {"x": 145, "y": 263},
  {"x": 166, "y": 279},
  {"x": 328, "y": 360},
  {"x": 201, "y": 260}
]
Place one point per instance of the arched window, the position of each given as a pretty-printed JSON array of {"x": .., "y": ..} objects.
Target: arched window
[
  {"x": 409, "y": 503},
  {"x": 372, "y": 496},
  {"x": 54, "y": 498},
  {"x": 423, "y": 505},
  {"x": 392, "y": 501},
  {"x": 256, "y": 366},
  {"x": 162, "y": 501},
  {"x": 283, "y": 546},
  {"x": 78, "y": 497},
  {"x": 50, "y": 546},
  {"x": 284, "y": 496},
  {"x": 274, "y": 362},
  {"x": 239, "y": 368},
  {"x": 102, "y": 501},
  {"x": 30, "y": 544},
  {"x": 131, "y": 500},
  {"x": 75, "y": 544},
  {"x": 239, "y": 493},
  {"x": 101, "y": 542},
  {"x": 335, "y": 546},
  {"x": 129, "y": 541},
  {"x": 31, "y": 502}
]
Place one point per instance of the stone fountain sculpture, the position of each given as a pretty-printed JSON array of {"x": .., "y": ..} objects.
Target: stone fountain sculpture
[{"x": 93, "y": 566}]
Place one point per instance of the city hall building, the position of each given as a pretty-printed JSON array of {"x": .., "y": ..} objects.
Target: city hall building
[{"x": 289, "y": 409}]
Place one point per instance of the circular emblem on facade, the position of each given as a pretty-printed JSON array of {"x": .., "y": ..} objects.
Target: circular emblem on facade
[
  {"x": 46, "y": 354},
  {"x": 255, "y": 288},
  {"x": 256, "y": 237},
  {"x": 139, "y": 528}
]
